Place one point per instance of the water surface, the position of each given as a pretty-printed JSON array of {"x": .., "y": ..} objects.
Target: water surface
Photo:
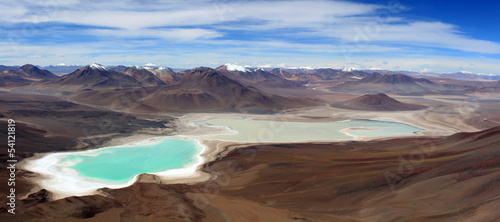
[
  {"x": 247, "y": 130},
  {"x": 120, "y": 164}
]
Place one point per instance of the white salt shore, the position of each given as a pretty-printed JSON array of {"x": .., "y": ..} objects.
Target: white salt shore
[{"x": 64, "y": 181}]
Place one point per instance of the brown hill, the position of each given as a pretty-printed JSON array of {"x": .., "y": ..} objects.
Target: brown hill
[
  {"x": 25, "y": 75},
  {"x": 29, "y": 71},
  {"x": 420, "y": 179},
  {"x": 390, "y": 83},
  {"x": 377, "y": 102},
  {"x": 144, "y": 76},
  {"x": 208, "y": 89},
  {"x": 92, "y": 76}
]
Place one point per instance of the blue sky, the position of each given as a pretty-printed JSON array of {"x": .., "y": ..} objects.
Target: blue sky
[{"x": 415, "y": 35}]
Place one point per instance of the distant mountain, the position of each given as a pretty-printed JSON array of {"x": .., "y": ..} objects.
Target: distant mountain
[
  {"x": 258, "y": 77},
  {"x": 390, "y": 83},
  {"x": 92, "y": 76},
  {"x": 463, "y": 75},
  {"x": 31, "y": 72},
  {"x": 377, "y": 102},
  {"x": 314, "y": 75},
  {"x": 23, "y": 76},
  {"x": 486, "y": 87},
  {"x": 5, "y": 68},
  {"x": 144, "y": 76},
  {"x": 62, "y": 69},
  {"x": 209, "y": 89},
  {"x": 167, "y": 75},
  {"x": 119, "y": 68}
]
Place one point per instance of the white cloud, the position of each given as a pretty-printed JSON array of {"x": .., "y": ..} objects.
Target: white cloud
[
  {"x": 354, "y": 23},
  {"x": 342, "y": 29},
  {"x": 138, "y": 15},
  {"x": 179, "y": 34}
]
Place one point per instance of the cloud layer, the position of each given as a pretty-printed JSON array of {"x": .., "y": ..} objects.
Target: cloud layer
[{"x": 207, "y": 32}]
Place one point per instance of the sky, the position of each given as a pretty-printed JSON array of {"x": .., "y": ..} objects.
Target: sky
[{"x": 414, "y": 35}]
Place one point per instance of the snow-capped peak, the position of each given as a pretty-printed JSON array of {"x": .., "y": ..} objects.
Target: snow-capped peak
[
  {"x": 466, "y": 72},
  {"x": 303, "y": 68},
  {"x": 162, "y": 68},
  {"x": 231, "y": 67},
  {"x": 484, "y": 74},
  {"x": 98, "y": 66},
  {"x": 349, "y": 69}
]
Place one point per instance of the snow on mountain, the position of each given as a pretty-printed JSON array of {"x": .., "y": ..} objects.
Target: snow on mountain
[
  {"x": 231, "y": 67},
  {"x": 303, "y": 68},
  {"x": 349, "y": 69},
  {"x": 484, "y": 74},
  {"x": 98, "y": 66}
]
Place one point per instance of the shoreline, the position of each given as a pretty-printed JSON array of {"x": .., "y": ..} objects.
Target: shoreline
[
  {"x": 211, "y": 149},
  {"x": 63, "y": 181}
]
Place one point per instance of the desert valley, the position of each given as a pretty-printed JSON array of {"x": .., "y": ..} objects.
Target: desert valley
[{"x": 234, "y": 143}]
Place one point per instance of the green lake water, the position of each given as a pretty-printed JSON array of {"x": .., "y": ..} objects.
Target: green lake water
[{"x": 120, "y": 164}]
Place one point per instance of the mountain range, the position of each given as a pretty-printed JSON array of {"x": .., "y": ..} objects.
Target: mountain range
[
  {"x": 258, "y": 77},
  {"x": 92, "y": 76},
  {"x": 229, "y": 87},
  {"x": 201, "y": 89},
  {"x": 390, "y": 83}
]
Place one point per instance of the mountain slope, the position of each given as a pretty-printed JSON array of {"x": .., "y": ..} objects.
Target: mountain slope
[
  {"x": 167, "y": 75},
  {"x": 5, "y": 68},
  {"x": 29, "y": 71},
  {"x": 36, "y": 73},
  {"x": 258, "y": 78},
  {"x": 13, "y": 81},
  {"x": 92, "y": 76},
  {"x": 377, "y": 102},
  {"x": 25, "y": 75},
  {"x": 143, "y": 75},
  {"x": 208, "y": 89},
  {"x": 389, "y": 83},
  {"x": 318, "y": 75},
  {"x": 411, "y": 179}
]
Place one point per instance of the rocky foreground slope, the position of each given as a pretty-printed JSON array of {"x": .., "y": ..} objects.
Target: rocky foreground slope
[{"x": 407, "y": 179}]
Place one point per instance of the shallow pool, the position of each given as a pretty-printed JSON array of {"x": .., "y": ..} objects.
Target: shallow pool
[{"x": 248, "y": 130}]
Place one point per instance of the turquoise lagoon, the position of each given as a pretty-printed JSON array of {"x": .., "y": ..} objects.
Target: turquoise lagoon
[{"x": 121, "y": 164}]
